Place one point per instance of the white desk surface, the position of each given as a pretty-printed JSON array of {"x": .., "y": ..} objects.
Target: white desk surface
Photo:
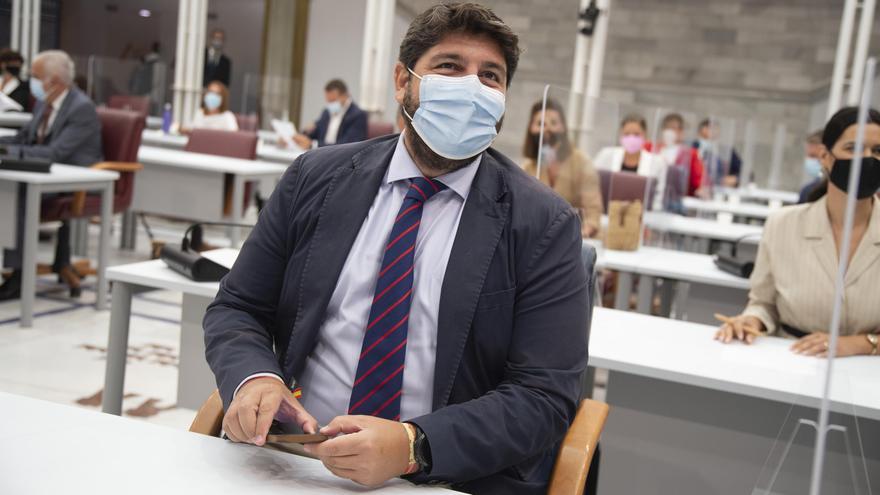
[
  {"x": 750, "y": 192},
  {"x": 702, "y": 227},
  {"x": 53, "y": 448},
  {"x": 156, "y": 274},
  {"x": 154, "y": 122},
  {"x": 667, "y": 263},
  {"x": 738, "y": 209},
  {"x": 266, "y": 149},
  {"x": 683, "y": 352},
  {"x": 154, "y": 155},
  {"x": 14, "y": 119},
  {"x": 60, "y": 174}
]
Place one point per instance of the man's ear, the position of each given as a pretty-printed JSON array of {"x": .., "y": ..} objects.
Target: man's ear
[{"x": 401, "y": 79}]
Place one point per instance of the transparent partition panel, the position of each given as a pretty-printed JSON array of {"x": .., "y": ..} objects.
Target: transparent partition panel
[
  {"x": 141, "y": 83},
  {"x": 721, "y": 163},
  {"x": 268, "y": 98}
]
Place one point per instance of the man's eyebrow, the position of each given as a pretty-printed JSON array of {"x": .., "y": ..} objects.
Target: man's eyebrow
[{"x": 451, "y": 56}]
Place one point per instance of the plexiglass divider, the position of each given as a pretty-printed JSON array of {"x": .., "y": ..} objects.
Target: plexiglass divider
[{"x": 106, "y": 77}]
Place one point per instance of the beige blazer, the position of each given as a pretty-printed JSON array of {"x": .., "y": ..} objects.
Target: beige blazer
[
  {"x": 578, "y": 183},
  {"x": 794, "y": 276},
  {"x": 650, "y": 165}
]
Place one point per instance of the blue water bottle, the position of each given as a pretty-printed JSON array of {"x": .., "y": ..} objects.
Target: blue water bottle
[{"x": 166, "y": 118}]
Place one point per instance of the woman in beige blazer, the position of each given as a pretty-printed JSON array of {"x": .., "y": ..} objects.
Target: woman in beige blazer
[
  {"x": 564, "y": 168},
  {"x": 793, "y": 283}
]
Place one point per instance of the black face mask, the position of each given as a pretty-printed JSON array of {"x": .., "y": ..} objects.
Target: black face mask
[
  {"x": 14, "y": 70},
  {"x": 869, "y": 178},
  {"x": 550, "y": 138}
]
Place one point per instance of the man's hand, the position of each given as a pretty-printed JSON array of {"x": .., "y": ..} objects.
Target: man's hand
[
  {"x": 368, "y": 451},
  {"x": 302, "y": 141},
  {"x": 256, "y": 404}
]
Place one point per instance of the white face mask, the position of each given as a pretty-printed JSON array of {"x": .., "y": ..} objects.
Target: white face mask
[
  {"x": 457, "y": 116},
  {"x": 670, "y": 137}
]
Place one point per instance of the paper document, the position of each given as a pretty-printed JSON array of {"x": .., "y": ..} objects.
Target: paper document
[
  {"x": 8, "y": 104},
  {"x": 285, "y": 130}
]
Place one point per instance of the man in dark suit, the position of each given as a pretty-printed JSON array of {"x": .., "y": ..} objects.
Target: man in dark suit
[
  {"x": 64, "y": 129},
  {"x": 218, "y": 67},
  {"x": 425, "y": 296},
  {"x": 341, "y": 121}
]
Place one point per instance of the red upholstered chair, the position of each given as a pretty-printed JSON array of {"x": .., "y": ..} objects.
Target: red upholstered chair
[
  {"x": 247, "y": 122},
  {"x": 233, "y": 144},
  {"x": 139, "y": 104},
  {"x": 121, "y": 132},
  {"x": 376, "y": 129}
]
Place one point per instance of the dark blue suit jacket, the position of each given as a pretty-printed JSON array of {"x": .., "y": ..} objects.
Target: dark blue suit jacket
[
  {"x": 352, "y": 129},
  {"x": 511, "y": 336}
]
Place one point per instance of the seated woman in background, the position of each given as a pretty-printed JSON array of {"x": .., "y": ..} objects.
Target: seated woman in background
[
  {"x": 564, "y": 168},
  {"x": 214, "y": 113},
  {"x": 793, "y": 281},
  {"x": 631, "y": 156}
]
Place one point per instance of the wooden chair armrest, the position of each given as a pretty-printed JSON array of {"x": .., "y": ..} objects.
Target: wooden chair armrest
[
  {"x": 79, "y": 203},
  {"x": 118, "y": 166},
  {"x": 576, "y": 453},
  {"x": 209, "y": 419}
]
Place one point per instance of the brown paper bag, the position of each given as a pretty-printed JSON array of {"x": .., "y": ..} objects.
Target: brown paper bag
[{"x": 624, "y": 225}]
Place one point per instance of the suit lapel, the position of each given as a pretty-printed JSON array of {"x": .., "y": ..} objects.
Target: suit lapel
[
  {"x": 62, "y": 113},
  {"x": 346, "y": 204},
  {"x": 816, "y": 229},
  {"x": 868, "y": 251},
  {"x": 482, "y": 221}
]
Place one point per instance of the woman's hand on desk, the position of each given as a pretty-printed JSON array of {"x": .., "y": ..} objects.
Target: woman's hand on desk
[
  {"x": 256, "y": 404},
  {"x": 816, "y": 344},
  {"x": 741, "y": 327}
]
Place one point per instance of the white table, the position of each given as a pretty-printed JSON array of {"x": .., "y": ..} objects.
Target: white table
[
  {"x": 702, "y": 230},
  {"x": 266, "y": 149},
  {"x": 771, "y": 196},
  {"x": 61, "y": 179},
  {"x": 195, "y": 379},
  {"x": 52, "y": 448},
  {"x": 692, "y": 416},
  {"x": 154, "y": 122},
  {"x": 707, "y": 289},
  {"x": 744, "y": 210},
  {"x": 15, "y": 119},
  {"x": 187, "y": 185}
]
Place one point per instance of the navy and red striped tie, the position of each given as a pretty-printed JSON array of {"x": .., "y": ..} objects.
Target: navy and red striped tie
[{"x": 379, "y": 379}]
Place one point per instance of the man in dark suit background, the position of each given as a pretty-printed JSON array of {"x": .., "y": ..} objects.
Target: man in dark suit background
[
  {"x": 425, "y": 295},
  {"x": 64, "y": 129},
  {"x": 341, "y": 121},
  {"x": 218, "y": 67}
]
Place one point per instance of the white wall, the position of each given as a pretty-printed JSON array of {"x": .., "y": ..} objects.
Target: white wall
[{"x": 333, "y": 50}]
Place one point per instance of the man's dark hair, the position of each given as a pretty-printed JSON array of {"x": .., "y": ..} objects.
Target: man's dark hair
[
  {"x": 336, "y": 85},
  {"x": 673, "y": 117},
  {"x": 704, "y": 123},
  {"x": 438, "y": 21},
  {"x": 635, "y": 118}
]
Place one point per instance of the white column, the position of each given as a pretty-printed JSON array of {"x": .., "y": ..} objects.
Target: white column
[
  {"x": 35, "y": 29},
  {"x": 14, "y": 41},
  {"x": 863, "y": 39},
  {"x": 840, "y": 60},
  {"x": 578, "y": 74},
  {"x": 594, "y": 76},
  {"x": 190, "y": 58},
  {"x": 376, "y": 54},
  {"x": 24, "y": 41}
]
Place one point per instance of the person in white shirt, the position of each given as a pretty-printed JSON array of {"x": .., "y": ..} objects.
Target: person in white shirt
[
  {"x": 631, "y": 156},
  {"x": 214, "y": 113}
]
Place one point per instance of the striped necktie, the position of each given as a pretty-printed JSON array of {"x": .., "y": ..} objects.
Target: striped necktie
[{"x": 379, "y": 379}]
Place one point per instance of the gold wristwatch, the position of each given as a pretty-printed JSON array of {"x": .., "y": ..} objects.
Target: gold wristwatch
[{"x": 874, "y": 340}]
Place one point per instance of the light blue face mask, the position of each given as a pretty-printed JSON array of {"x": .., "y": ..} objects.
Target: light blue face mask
[
  {"x": 37, "y": 89},
  {"x": 334, "y": 107},
  {"x": 812, "y": 167},
  {"x": 212, "y": 100},
  {"x": 457, "y": 116}
]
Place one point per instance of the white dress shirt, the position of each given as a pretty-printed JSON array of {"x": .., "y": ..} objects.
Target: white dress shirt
[
  {"x": 330, "y": 370},
  {"x": 335, "y": 122},
  {"x": 10, "y": 86},
  {"x": 224, "y": 121},
  {"x": 55, "y": 106}
]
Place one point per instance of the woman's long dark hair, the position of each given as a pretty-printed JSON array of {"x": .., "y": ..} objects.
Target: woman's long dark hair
[
  {"x": 530, "y": 146},
  {"x": 836, "y": 126}
]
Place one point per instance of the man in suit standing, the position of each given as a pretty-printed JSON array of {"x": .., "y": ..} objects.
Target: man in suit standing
[
  {"x": 64, "y": 129},
  {"x": 424, "y": 293},
  {"x": 218, "y": 67},
  {"x": 342, "y": 121}
]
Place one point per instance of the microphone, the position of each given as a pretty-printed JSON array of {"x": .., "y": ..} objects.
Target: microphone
[
  {"x": 733, "y": 265},
  {"x": 190, "y": 263}
]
